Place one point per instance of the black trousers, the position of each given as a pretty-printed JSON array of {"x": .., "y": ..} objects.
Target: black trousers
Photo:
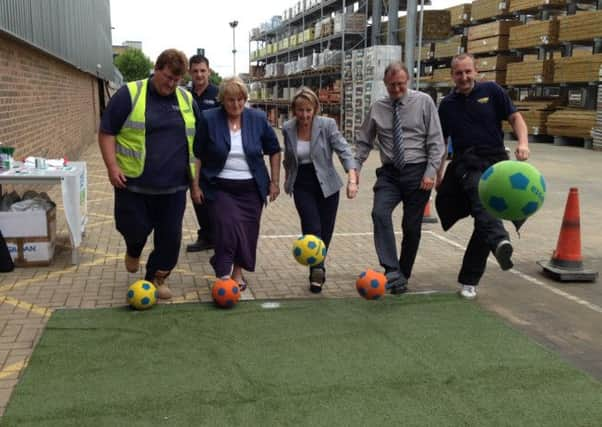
[
  {"x": 391, "y": 188},
  {"x": 137, "y": 215},
  {"x": 488, "y": 232},
  {"x": 316, "y": 212},
  {"x": 205, "y": 230}
]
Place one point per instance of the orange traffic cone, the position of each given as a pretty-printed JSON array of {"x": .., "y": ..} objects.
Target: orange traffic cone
[
  {"x": 566, "y": 264},
  {"x": 428, "y": 216}
]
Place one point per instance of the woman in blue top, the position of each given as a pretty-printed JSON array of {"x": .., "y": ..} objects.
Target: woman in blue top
[
  {"x": 309, "y": 142},
  {"x": 234, "y": 181}
]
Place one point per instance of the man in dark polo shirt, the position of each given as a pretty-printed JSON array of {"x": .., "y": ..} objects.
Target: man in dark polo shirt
[
  {"x": 146, "y": 135},
  {"x": 205, "y": 96},
  {"x": 472, "y": 116},
  {"x": 411, "y": 149}
]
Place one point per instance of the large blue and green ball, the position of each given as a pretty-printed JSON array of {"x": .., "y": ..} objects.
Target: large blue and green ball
[{"x": 512, "y": 190}]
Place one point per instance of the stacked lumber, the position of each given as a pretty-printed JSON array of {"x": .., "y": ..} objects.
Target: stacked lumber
[
  {"x": 460, "y": 14},
  {"x": 487, "y": 9},
  {"x": 494, "y": 63},
  {"x": 496, "y": 28},
  {"x": 530, "y": 72},
  {"x": 522, "y": 5},
  {"x": 498, "y": 76},
  {"x": 534, "y": 33},
  {"x": 436, "y": 25},
  {"x": 426, "y": 51},
  {"x": 597, "y": 134},
  {"x": 582, "y": 26},
  {"x": 577, "y": 68},
  {"x": 490, "y": 44},
  {"x": 441, "y": 75},
  {"x": 535, "y": 114},
  {"x": 450, "y": 47},
  {"x": 571, "y": 122}
]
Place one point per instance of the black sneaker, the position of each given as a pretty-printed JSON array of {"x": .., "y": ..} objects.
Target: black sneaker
[
  {"x": 503, "y": 254},
  {"x": 397, "y": 286},
  {"x": 200, "y": 245},
  {"x": 317, "y": 277}
]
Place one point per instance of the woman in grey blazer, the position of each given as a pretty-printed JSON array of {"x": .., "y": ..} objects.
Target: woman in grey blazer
[{"x": 309, "y": 143}]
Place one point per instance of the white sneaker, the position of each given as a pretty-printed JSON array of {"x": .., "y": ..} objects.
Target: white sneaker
[{"x": 468, "y": 291}]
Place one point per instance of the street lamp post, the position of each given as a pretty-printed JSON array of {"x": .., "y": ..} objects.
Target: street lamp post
[{"x": 233, "y": 24}]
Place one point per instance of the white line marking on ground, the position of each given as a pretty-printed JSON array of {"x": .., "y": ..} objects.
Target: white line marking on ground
[
  {"x": 450, "y": 242},
  {"x": 530, "y": 279}
]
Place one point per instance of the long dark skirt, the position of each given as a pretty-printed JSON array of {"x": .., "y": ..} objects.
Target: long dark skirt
[{"x": 235, "y": 214}]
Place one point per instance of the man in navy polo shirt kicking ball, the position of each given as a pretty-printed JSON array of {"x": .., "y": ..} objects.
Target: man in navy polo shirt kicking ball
[
  {"x": 472, "y": 116},
  {"x": 146, "y": 137}
]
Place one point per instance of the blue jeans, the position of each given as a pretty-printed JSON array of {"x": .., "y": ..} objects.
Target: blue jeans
[{"x": 391, "y": 188}]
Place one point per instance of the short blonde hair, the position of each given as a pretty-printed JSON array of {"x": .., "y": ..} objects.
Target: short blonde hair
[
  {"x": 308, "y": 95},
  {"x": 232, "y": 86}
]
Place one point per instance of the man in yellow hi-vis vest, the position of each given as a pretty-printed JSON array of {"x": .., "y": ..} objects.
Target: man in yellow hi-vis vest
[{"x": 146, "y": 136}]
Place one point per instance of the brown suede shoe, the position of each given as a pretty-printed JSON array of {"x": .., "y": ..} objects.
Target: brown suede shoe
[
  {"x": 163, "y": 291},
  {"x": 131, "y": 264}
]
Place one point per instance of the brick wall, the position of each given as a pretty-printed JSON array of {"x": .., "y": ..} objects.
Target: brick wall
[{"x": 47, "y": 108}]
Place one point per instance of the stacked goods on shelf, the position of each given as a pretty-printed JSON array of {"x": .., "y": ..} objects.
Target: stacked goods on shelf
[
  {"x": 524, "y": 5},
  {"x": 493, "y": 68},
  {"x": 460, "y": 15},
  {"x": 577, "y": 68},
  {"x": 535, "y": 113},
  {"x": 582, "y": 26},
  {"x": 425, "y": 52},
  {"x": 450, "y": 47},
  {"x": 486, "y": 9},
  {"x": 530, "y": 72},
  {"x": 376, "y": 59},
  {"x": 331, "y": 94},
  {"x": 441, "y": 75},
  {"x": 323, "y": 28},
  {"x": 348, "y": 95},
  {"x": 436, "y": 25},
  {"x": 490, "y": 37},
  {"x": 597, "y": 133},
  {"x": 357, "y": 59},
  {"x": 349, "y": 23},
  {"x": 571, "y": 122},
  {"x": 534, "y": 33}
]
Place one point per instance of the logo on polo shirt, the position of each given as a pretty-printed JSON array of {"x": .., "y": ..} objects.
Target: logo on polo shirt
[
  {"x": 483, "y": 100},
  {"x": 209, "y": 101}
]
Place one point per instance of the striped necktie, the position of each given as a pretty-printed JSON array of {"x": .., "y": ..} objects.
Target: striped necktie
[{"x": 398, "y": 159}]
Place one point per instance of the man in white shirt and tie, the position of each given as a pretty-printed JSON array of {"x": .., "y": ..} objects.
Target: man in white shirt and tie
[{"x": 411, "y": 147}]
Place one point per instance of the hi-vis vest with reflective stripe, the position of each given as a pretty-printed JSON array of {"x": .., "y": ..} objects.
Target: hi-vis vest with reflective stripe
[{"x": 131, "y": 140}]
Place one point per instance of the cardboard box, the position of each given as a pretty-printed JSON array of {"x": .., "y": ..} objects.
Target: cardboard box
[{"x": 30, "y": 236}]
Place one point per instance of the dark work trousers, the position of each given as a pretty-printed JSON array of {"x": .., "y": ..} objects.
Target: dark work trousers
[
  {"x": 316, "y": 212},
  {"x": 488, "y": 232},
  {"x": 392, "y": 187},
  {"x": 202, "y": 215},
  {"x": 137, "y": 215}
]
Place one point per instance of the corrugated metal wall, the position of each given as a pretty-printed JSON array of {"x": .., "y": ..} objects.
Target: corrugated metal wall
[{"x": 77, "y": 31}]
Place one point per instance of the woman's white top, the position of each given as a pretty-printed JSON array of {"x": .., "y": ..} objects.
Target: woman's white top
[
  {"x": 303, "y": 148},
  {"x": 236, "y": 166}
]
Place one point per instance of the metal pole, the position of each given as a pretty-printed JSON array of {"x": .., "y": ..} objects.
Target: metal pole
[
  {"x": 410, "y": 36},
  {"x": 376, "y": 17},
  {"x": 393, "y": 25},
  {"x": 233, "y": 24},
  {"x": 418, "y": 60}
]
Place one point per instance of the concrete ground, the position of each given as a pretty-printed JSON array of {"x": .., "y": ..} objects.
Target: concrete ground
[{"x": 566, "y": 318}]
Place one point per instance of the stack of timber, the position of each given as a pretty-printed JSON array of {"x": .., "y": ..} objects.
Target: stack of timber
[
  {"x": 530, "y": 72},
  {"x": 534, "y": 33},
  {"x": 441, "y": 75},
  {"x": 426, "y": 51},
  {"x": 525, "y": 5},
  {"x": 450, "y": 47},
  {"x": 571, "y": 122},
  {"x": 436, "y": 25},
  {"x": 483, "y": 10},
  {"x": 577, "y": 69},
  {"x": 460, "y": 15},
  {"x": 493, "y": 68},
  {"x": 490, "y": 37},
  {"x": 579, "y": 27},
  {"x": 597, "y": 134},
  {"x": 535, "y": 113}
]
